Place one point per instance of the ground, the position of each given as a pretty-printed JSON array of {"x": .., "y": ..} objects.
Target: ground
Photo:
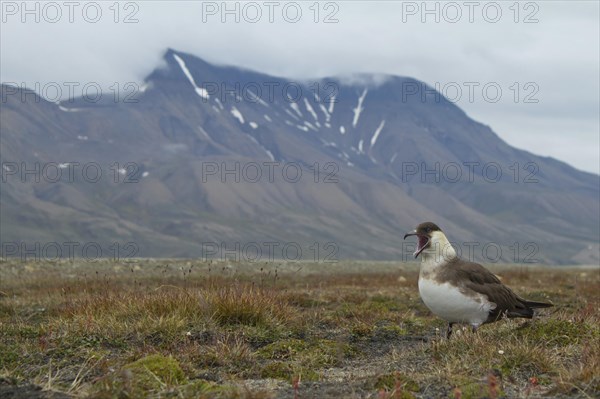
[{"x": 193, "y": 329}]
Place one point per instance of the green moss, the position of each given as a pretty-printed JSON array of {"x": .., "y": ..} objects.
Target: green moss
[
  {"x": 327, "y": 353},
  {"x": 149, "y": 374},
  {"x": 383, "y": 331},
  {"x": 288, "y": 371},
  {"x": 277, "y": 370},
  {"x": 384, "y": 303},
  {"x": 475, "y": 390},
  {"x": 284, "y": 349},
  {"x": 471, "y": 388},
  {"x": 156, "y": 370},
  {"x": 200, "y": 389},
  {"x": 389, "y": 331}
]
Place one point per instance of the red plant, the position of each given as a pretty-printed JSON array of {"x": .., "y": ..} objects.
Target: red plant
[
  {"x": 534, "y": 381},
  {"x": 43, "y": 342},
  {"x": 398, "y": 387},
  {"x": 296, "y": 386},
  {"x": 493, "y": 386}
]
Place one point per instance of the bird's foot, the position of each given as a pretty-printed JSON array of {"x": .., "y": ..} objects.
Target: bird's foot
[{"x": 449, "y": 330}]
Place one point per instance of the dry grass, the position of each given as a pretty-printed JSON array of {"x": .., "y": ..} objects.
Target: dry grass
[{"x": 193, "y": 329}]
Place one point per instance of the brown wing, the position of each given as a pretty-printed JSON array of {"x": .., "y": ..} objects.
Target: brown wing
[{"x": 482, "y": 281}]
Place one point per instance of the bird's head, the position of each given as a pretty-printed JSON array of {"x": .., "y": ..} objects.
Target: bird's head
[{"x": 431, "y": 239}]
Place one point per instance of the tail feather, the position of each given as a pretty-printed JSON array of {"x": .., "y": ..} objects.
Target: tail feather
[
  {"x": 536, "y": 305},
  {"x": 525, "y": 310}
]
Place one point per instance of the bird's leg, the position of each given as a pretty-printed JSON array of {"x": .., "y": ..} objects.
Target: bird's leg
[
  {"x": 449, "y": 330},
  {"x": 474, "y": 328}
]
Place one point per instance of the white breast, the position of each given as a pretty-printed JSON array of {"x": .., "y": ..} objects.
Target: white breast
[{"x": 447, "y": 302}]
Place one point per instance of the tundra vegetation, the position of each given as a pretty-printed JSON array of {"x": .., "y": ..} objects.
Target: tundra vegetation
[{"x": 220, "y": 329}]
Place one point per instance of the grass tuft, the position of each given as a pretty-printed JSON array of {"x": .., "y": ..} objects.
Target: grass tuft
[{"x": 246, "y": 305}]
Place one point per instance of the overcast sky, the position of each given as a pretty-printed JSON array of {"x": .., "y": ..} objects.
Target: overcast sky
[{"x": 547, "y": 51}]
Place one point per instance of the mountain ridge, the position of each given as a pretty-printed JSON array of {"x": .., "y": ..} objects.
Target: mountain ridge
[{"x": 176, "y": 129}]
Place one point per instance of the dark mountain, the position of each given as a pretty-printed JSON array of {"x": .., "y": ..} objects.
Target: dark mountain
[{"x": 208, "y": 156}]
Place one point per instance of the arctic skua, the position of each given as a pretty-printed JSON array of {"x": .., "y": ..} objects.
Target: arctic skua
[{"x": 460, "y": 291}]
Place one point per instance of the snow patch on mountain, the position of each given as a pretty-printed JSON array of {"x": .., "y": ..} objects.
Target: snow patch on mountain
[
  {"x": 237, "y": 114},
  {"x": 358, "y": 108},
  {"x": 377, "y": 132},
  {"x": 204, "y": 133},
  {"x": 64, "y": 109},
  {"x": 296, "y": 108},
  {"x": 328, "y": 143},
  {"x": 325, "y": 112},
  {"x": 331, "y": 104},
  {"x": 199, "y": 90},
  {"x": 256, "y": 98},
  {"x": 269, "y": 153},
  {"x": 202, "y": 92},
  {"x": 310, "y": 126},
  {"x": 310, "y": 109},
  {"x": 290, "y": 113}
]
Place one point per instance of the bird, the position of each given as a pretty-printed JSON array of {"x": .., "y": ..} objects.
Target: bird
[{"x": 459, "y": 291}]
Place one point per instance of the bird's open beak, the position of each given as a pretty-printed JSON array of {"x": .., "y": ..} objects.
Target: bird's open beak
[
  {"x": 410, "y": 233},
  {"x": 422, "y": 242}
]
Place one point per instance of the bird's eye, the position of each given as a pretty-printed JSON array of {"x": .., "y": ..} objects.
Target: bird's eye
[{"x": 428, "y": 229}]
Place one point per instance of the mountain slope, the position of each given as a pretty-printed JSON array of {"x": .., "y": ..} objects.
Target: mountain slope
[{"x": 179, "y": 171}]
